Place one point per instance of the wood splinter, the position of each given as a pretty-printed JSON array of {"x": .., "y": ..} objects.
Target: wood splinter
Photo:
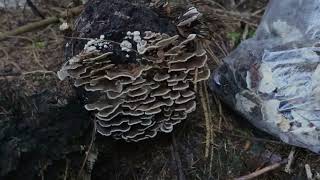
[{"x": 262, "y": 171}]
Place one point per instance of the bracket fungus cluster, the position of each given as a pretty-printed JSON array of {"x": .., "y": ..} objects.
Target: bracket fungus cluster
[{"x": 150, "y": 89}]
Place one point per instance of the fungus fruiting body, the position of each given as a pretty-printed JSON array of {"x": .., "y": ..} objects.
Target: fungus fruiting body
[{"x": 149, "y": 93}]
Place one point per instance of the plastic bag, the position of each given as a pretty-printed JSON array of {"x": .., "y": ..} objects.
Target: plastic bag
[{"x": 273, "y": 79}]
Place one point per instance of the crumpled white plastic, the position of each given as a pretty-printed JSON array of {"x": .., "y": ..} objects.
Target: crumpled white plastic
[{"x": 273, "y": 79}]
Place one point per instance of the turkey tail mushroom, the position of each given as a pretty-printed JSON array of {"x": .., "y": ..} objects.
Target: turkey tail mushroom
[{"x": 150, "y": 91}]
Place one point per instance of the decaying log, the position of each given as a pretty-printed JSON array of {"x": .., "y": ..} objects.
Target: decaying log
[{"x": 41, "y": 121}]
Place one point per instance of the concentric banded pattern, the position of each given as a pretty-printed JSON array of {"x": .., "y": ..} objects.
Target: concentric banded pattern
[{"x": 139, "y": 99}]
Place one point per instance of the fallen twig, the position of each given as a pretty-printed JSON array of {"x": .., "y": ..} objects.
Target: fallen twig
[
  {"x": 308, "y": 172},
  {"x": 290, "y": 160},
  {"x": 43, "y": 23},
  {"x": 212, "y": 134},
  {"x": 66, "y": 170},
  {"x": 93, "y": 136},
  {"x": 207, "y": 119},
  {"x": 38, "y": 71},
  {"x": 34, "y": 9},
  {"x": 206, "y": 95},
  {"x": 261, "y": 171}
]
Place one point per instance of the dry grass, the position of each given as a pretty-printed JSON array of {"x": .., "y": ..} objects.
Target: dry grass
[{"x": 214, "y": 143}]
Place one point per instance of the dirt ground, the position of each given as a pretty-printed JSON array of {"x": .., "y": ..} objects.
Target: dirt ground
[{"x": 234, "y": 148}]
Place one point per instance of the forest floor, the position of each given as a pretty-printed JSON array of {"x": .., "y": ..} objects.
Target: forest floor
[{"x": 213, "y": 144}]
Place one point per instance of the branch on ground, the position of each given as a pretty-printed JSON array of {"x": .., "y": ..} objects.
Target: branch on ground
[{"x": 43, "y": 23}]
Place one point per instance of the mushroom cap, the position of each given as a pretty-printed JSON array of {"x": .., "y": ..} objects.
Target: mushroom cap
[{"x": 190, "y": 16}]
